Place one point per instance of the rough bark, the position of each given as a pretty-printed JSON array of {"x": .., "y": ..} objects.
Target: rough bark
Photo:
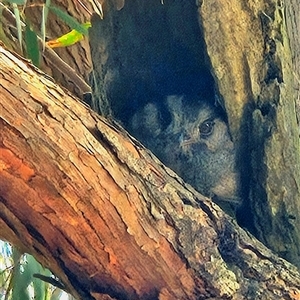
[
  {"x": 253, "y": 66},
  {"x": 293, "y": 27},
  {"x": 145, "y": 51},
  {"x": 107, "y": 217},
  {"x": 248, "y": 48}
]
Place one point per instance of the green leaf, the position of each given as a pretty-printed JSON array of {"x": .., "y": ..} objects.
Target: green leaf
[
  {"x": 20, "y": 279},
  {"x": 72, "y": 22},
  {"x": 18, "y": 23},
  {"x": 68, "y": 39},
  {"x": 19, "y": 282},
  {"x": 17, "y": 2},
  {"x": 39, "y": 286},
  {"x": 45, "y": 12},
  {"x": 32, "y": 45}
]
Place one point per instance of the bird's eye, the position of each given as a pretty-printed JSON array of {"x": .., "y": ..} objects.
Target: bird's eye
[{"x": 206, "y": 128}]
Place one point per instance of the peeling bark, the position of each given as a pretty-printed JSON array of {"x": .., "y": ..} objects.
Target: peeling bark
[
  {"x": 251, "y": 48},
  {"x": 106, "y": 216}
]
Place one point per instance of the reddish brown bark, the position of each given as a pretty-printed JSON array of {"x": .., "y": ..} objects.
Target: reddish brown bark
[{"x": 106, "y": 216}]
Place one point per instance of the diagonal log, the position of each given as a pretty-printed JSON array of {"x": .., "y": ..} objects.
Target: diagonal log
[{"x": 97, "y": 208}]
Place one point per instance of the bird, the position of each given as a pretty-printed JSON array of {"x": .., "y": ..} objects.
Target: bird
[{"x": 195, "y": 143}]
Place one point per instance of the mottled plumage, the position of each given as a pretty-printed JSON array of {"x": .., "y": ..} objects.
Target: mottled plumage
[{"x": 195, "y": 143}]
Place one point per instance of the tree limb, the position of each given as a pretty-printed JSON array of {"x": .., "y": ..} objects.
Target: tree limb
[{"x": 93, "y": 205}]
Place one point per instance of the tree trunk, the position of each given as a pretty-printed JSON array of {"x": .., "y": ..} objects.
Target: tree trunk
[
  {"x": 246, "y": 46},
  {"x": 252, "y": 62},
  {"x": 106, "y": 216},
  {"x": 293, "y": 28}
]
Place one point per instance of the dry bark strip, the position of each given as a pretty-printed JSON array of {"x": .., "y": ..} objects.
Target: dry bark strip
[{"x": 106, "y": 216}]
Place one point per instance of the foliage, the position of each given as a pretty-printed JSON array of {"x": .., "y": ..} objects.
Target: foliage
[
  {"x": 31, "y": 37},
  {"x": 17, "y": 277},
  {"x": 68, "y": 39}
]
